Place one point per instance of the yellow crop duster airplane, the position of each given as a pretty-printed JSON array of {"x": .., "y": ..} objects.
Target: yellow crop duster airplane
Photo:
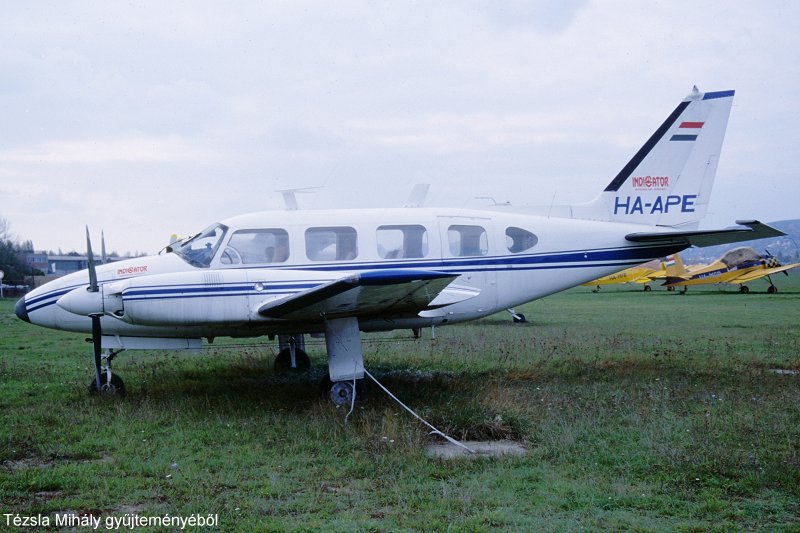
[
  {"x": 642, "y": 274},
  {"x": 737, "y": 267}
]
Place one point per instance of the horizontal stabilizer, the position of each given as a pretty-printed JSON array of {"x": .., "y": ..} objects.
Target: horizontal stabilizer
[
  {"x": 375, "y": 293},
  {"x": 701, "y": 238}
]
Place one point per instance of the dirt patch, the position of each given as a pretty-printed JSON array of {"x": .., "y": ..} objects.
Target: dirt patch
[
  {"x": 784, "y": 372},
  {"x": 25, "y": 463},
  {"x": 489, "y": 448}
]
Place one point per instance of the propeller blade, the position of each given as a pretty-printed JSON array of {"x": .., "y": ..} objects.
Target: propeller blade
[
  {"x": 90, "y": 258},
  {"x": 103, "y": 256},
  {"x": 97, "y": 336}
]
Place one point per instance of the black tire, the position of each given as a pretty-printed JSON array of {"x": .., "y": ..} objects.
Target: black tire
[
  {"x": 331, "y": 392},
  {"x": 744, "y": 289},
  {"x": 115, "y": 388},
  {"x": 341, "y": 393},
  {"x": 647, "y": 288},
  {"x": 520, "y": 319},
  {"x": 283, "y": 362},
  {"x": 772, "y": 289}
]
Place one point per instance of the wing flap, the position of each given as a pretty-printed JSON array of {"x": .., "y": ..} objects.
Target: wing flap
[
  {"x": 753, "y": 229},
  {"x": 371, "y": 293}
]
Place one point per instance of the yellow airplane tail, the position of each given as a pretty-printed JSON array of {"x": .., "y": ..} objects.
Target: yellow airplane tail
[{"x": 674, "y": 268}]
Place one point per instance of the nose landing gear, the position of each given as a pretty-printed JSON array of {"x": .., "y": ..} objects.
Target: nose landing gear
[{"x": 110, "y": 383}]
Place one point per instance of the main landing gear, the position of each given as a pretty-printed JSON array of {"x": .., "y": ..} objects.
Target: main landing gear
[
  {"x": 345, "y": 362},
  {"x": 517, "y": 318},
  {"x": 292, "y": 356}
]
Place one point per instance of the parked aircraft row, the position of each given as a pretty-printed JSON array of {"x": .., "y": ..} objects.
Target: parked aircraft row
[
  {"x": 738, "y": 266},
  {"x": 342, "y": 272}
]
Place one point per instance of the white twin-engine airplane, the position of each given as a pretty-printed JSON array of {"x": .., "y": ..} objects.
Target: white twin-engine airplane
[{"x": 341, "y": 272}]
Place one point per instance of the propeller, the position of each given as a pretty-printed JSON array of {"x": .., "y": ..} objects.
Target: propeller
[{"x": 97, "y": 331}]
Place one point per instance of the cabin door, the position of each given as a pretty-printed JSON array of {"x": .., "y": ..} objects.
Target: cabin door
[{"x": 467, "y": 246}]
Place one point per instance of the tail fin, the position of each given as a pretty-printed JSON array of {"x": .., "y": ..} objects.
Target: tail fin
[
  {"x": 674, "y": 267},
  {"x": 668, "y": 182}
]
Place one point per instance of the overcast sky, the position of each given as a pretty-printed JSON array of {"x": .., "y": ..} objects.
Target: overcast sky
[{"x": 150, "y": 118}]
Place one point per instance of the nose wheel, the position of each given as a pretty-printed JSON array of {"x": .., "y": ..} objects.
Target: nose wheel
[
  {"x": 111, "y": 387},
  {"x": 110, "y": 383}
]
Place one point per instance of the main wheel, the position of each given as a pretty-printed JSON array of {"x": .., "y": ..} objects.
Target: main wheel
[
  {"x": 772, "y": 289},
  {"x": 647, "y": 288},
  {"x": 744, "y": 289},
  {"x": 283, "y": 362},
  {"x": 115, "y": 388},
  {"x": 341, "y": 393},
  {"x": 519, "y": 319}
]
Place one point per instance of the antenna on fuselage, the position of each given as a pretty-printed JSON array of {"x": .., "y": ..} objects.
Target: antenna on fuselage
[
  {"x": 494, "y": 202},
  {"x": 290, "y": 199},
  {"x": 552, "y": 202}
]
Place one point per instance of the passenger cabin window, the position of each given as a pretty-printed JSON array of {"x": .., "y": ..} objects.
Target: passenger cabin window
[
  {"x": 467, "y": 240},
  {"x": 401, "y": 242},
  {"x": 250, "y": 246},
  {"x": 518, "y": 240},
  {"x": 331, "y": 244}
]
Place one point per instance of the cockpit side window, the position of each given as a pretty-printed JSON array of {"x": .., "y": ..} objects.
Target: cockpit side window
[
  {"x": 331, "y": 244},
  {"x": 250, "y": 246},
  {"x": 200, "y": 249},
  {"x": 402, "y": 241},
  {"x": 519, "y": 240},
  {"x": 467, "y": 240}
]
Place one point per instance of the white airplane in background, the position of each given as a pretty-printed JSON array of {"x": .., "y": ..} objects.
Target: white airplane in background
[{"x": 341, "y": 272}]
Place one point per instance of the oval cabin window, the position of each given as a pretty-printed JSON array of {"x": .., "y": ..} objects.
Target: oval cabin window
[{"x": 519, "y": 240}]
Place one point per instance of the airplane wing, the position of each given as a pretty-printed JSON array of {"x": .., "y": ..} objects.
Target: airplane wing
[
  {"x": 373, "y": 293},
  {"x": 702, "y": 238},
  {"x": 756, "y": 274}
]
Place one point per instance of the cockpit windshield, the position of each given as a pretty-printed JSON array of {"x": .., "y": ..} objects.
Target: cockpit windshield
[{"x": 200, "y": 249}]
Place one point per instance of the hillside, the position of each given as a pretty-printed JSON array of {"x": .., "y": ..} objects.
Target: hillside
[{"x": 786, "y": 249}]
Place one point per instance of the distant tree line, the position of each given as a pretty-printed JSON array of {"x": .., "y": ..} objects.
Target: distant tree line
[{"x": 11, "y": 263}]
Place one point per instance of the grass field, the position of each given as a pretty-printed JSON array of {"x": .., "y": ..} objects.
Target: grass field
[{"x": 639, "y": 411}]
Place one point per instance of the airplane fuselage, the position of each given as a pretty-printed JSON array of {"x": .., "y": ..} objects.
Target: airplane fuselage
[{"x": 215, "y": 284}]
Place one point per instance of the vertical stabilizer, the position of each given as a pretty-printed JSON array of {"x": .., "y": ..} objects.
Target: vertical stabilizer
[
  {"x": 674, "y": 266},
  {"x": 668, "y": 181}
]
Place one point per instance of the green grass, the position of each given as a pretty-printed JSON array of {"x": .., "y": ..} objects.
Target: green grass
[{"x": 643, "y": 411}]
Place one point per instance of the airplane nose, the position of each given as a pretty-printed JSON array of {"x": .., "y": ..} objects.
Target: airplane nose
[{"x": 21, "y": 310}]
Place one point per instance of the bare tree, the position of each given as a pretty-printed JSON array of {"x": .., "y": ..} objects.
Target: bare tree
[{"x": 5, "y": 229}]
